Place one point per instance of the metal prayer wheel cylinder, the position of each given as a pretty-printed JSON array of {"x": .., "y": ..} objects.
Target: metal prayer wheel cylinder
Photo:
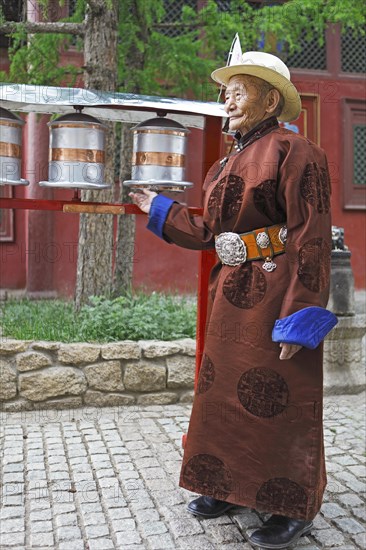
[
  {"x": 76, "y": 153},
  {"x": 11, "y": 149},
  {"x": 159, "y": 156}
]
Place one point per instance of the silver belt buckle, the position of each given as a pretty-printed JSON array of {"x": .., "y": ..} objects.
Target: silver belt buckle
[{"x": 230, "y": 249}]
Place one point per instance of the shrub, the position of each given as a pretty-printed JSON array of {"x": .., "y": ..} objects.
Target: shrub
[{"x": 133, "y": 317}]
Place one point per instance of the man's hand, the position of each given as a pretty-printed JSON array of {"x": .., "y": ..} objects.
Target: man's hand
[
  {"x": 143, "y": 199},
  {"x": 288, "y": 350}
]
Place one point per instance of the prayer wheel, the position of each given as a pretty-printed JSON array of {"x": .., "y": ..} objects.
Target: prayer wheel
[
  {"x": 76, "y": 153},
  {"x": 159, "y": 156},
  {"x": 11, "y": 149}
]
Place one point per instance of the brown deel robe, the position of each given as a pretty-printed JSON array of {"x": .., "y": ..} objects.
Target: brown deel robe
[{"x": 255, "y": 436}]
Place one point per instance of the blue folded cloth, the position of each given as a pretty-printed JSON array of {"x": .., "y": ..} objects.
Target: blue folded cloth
[
  {"x": 306, "y": 327},
  {"x": 159, "y": 210}
]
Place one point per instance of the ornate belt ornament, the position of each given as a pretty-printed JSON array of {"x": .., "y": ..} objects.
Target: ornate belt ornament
[
  {"x": 231, "y": 249},
  {"x": 234, "y": 249}
]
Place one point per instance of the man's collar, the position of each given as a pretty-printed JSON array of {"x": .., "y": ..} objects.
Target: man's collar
[{"x": 261, "y": 129}]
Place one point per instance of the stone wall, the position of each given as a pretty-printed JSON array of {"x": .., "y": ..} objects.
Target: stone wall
[{"x": 53, "y": 375}]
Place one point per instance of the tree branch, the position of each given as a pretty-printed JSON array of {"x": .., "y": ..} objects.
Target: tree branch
[{"x": 34, "y": 28}]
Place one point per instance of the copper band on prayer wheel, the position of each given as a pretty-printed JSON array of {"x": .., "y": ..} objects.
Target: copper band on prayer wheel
[
  {"x": 158, "y": 159},
  {"x": 10, "y": 150},
  {"x": 77, "y": 155},
  {"x": 10, "y": 124},
  {"x": 163, "y": 132},
  {"x": 89, "y": 126}
]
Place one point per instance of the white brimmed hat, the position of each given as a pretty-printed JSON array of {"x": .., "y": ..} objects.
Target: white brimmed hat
[{"x": 270, "y": 68}]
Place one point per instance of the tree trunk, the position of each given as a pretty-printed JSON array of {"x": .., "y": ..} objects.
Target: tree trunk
[
  {"x": 125, "y": 246},
  {"x": 95, "y": 250}
]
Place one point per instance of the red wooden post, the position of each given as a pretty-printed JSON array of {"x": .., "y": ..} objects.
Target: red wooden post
[{"x": 211, "y": 152}]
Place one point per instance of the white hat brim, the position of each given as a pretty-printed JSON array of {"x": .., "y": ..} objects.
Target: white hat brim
[{"x": 292, "y": 106}]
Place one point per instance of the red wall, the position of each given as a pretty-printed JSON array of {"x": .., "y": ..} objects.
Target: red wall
[{"x": 331, "y": 94}]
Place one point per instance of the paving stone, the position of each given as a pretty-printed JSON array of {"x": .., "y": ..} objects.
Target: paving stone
[
  {"x": 351, "y": 481},
  {"x": 96, "y": 531},
  {"x": 12, "y": 525},
  {"x": 360, "y": 513},
  {"x": 199, "y": 542},
  {"x": 12, "y": 539},
  {"x": 63, "y": 508},
  {"x": 161, "y": 542},
  {"x": 345, "y": 460},
  {"x": 94, "y": 518},
  {"x": 225, "y": 533},
  {"x": 170, "y": 498},
  {"x": 245, "y": 520},
  {"x": 146, "y": 440},
  {"x": 150, "y": 528},
  {"x": 328, "y": 537},
  {"x": 123, "y": 524},
  {"x": 119, "y": 513},
  {"x": 350, "y": 499},
  {"x": 13, "y": 468},
  {"x": 68, "y": 532},
  {"x": 100, "y": 544},
  {"x": 11, "y": 512},
  {"x": 349, "y": 525},
  {"x": 66, "y": 519},
  {"x": 127, "y": 537},
  {"x": 73, "y": 545},
  {"x": 153, "y": 473},
  {"x": 41, "y": 526},
  {"x": 331, "y": 510},
  {"x": 185, "y": 527},
  {"x": 358, "y": 471},
  {"x": 360, "y": 540},
  {"x": 42, "y": 539},
  {"x": 320, "y": 523}
]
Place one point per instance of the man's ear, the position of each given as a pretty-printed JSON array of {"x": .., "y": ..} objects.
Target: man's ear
[{"x": 272, "y": 100}]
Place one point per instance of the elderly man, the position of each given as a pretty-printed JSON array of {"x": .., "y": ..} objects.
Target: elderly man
[{"x": 255, "y": 437}]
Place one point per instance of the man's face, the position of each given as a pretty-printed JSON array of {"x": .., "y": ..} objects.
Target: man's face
[{"x": 245, "y": 102}]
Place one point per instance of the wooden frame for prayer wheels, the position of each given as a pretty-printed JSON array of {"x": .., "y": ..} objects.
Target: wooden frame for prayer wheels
[{"x": 123, "y": 107}]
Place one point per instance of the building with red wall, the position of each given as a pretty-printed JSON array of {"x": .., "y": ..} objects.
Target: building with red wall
[{"x": 38, "y": 250}]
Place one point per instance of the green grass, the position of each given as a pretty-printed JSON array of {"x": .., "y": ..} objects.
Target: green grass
[{"x": 135, "y": 317}]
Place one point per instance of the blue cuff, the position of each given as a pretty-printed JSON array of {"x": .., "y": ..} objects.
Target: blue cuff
[
  {"x": 159, "y": 210},
  {"x": 307, "y": 327}
]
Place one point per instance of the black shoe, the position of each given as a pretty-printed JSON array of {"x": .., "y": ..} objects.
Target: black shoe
[
  {"x": 208, "y": 507},
  {"x": 280, "y": 532}
]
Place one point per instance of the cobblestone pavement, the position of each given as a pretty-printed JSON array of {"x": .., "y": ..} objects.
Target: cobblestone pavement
[{"x": 103, "y": 479}]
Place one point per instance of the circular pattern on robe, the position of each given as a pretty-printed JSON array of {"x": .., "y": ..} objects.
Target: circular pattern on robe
[
  {"x": 282, "y": 496},
  {"x": 245, "y": 286},
  {"x": 226, "y": 197},
  {"x": 207, "y": 474},
  {"x": 314, "y": 264},
  {"x": 263, "y": 392},
  {"x": 214, "y": 202},
  {"x": 206, "y": 376},
  {"x": 315, "y": 187},
  {"x": 264, "y": 198}
]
